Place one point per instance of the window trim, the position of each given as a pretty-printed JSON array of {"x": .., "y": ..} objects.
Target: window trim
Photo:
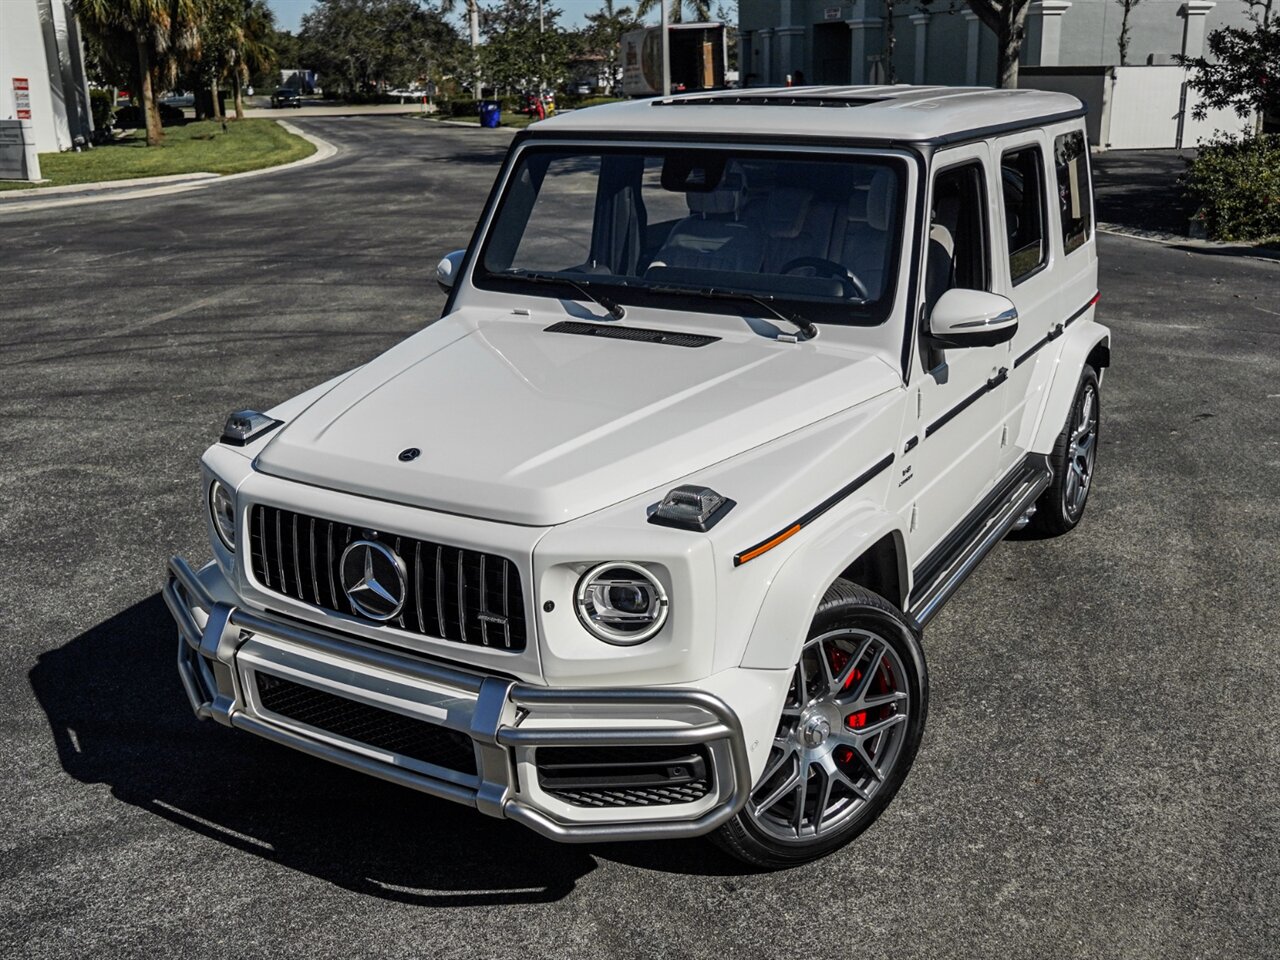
[
  {"x": 984, "y": 205},
  {"x": 819, "y": 311},
  {"x": 1046, "y": 243},
  {"x": 1091, "y": 228}
]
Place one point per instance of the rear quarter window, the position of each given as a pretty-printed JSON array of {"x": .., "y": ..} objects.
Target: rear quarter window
[{"x": 1071, "y": 164}]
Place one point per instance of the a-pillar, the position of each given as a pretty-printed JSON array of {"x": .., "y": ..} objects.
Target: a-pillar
[
  {"x": 971, "y": 47},
  {"x": 860, "y": 47},
  {"x": 1194, "y": 14},
  {"x": 921, "y": 23},
  {"x": 1048, "y": 14}
]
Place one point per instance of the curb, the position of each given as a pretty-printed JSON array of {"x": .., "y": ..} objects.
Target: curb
[
  {"x": 1249, "y": 251},
  {"x": 463, "y": 123},
  {"x": 143, "y": 187}
]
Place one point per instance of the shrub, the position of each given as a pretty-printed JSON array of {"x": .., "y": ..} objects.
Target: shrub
[
  {"x": 1236, "y": 184},
  {"x": 102, "y": 104},
  {"x": 462, "y": 107},
  {"x": 598, "y": 101}
]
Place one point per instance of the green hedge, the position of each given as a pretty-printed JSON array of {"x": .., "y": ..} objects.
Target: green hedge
[
  {"x": 1235, "y": 183},
  {"x": 102, "y": 104}
]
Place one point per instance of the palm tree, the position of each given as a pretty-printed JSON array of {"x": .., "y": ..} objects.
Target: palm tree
[
  {"x": 145, "y": 21},
  {"x": 250, "y": 50},
  {"x": 160, "y": 30},
  {"x": 699, "y": 10},
  {"x": 473, "y": 20}
]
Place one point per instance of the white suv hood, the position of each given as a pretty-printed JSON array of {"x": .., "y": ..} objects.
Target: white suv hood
[{"x": 520, "y": 425}]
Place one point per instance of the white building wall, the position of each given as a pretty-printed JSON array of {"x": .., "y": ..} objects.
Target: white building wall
[{"x": 38, "y": 41}]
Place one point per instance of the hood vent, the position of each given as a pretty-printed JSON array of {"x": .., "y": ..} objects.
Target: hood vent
[{"x": 631, "y": 333}]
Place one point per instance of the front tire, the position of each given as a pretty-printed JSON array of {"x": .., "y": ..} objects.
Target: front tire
[
  {"x": 848, "y": 734},
  {"x": 1075, "y": 454}
]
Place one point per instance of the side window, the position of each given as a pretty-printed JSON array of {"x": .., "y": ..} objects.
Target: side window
[
  {"x": 1022, "y": 185},
  {"x": 1071, "y": 163},
  {"x": 957, "y": 233}
]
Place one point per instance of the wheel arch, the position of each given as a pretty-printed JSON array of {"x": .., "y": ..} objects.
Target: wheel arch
[
  {"x": 1089, "y": 344},
  {"x": 867, "y": 547}
]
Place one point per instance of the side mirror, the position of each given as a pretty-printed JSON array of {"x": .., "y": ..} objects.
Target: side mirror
[
  {"x": 973, "y": 318},
  {"x": 447, "y": 269}
]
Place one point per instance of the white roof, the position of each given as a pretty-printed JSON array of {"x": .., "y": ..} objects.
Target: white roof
[{"x": 898, "y": 113}]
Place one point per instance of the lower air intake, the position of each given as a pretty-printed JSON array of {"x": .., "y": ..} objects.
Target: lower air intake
[
  {"x": 642, "y": 776},
  {"x": 382, "y": 729}
]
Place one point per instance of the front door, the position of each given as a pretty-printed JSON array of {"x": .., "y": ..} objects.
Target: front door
[{"x": 955, "y": 446}]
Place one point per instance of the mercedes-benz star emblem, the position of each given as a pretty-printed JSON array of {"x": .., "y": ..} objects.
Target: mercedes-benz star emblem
[{"x": 374, "y": 579}]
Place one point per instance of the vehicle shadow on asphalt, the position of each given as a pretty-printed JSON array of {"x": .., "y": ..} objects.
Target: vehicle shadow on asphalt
[{"x": 119, "y": 716}]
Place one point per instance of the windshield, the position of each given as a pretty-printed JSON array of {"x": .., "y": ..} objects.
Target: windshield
[{"x": 812, "y": 234}]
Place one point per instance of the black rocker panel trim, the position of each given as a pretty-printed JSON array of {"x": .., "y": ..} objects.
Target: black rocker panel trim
[
  {"x": 1055, "y": 333},
  {"x": 791, "y": 529}
]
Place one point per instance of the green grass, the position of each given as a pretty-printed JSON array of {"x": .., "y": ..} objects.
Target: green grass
[{"x": 193, "y": 148}]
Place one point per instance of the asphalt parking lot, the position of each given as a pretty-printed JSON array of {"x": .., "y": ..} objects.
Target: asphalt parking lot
[{"x": 1100, "y": 776}]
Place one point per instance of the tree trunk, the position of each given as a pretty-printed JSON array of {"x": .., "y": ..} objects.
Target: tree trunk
[
  {"x": 239, "y": 96},
  {"x": 1123, "y": 41},
  {"x": 218, "y": 113},
  {"x": 150, "y": 111},
  {"x": 1010, "y": 37}
]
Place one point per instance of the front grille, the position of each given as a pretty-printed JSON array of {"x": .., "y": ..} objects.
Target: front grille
[
  {"x": 453, "y": 594},
  {"x": 642, "y": 776},
  {"x": 393, "y": 732}
]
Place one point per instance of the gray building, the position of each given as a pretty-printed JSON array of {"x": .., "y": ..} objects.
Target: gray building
[{"x": 945, "y": 43}]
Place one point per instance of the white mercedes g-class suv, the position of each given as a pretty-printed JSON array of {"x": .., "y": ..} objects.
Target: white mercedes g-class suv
[{"x": 731, "y": 392}]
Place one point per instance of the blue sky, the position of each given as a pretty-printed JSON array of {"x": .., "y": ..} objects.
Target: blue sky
[{"x": 289, "y": 12}]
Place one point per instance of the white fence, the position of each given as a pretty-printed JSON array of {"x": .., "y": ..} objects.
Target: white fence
[{"x": 1135, "y": 108}]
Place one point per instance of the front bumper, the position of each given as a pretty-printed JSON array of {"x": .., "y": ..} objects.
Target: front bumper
[{"x": 224, "y": 649}]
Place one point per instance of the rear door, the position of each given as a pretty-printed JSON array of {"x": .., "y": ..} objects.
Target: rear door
[{"x": 1025, "y": 273}]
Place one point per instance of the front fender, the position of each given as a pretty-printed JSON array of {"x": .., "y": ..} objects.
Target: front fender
[
  {"x": 1078, "y": 343},
  {"x": 800, "y": 583}
]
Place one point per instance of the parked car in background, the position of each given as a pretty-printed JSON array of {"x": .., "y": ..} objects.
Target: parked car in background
[
  {"x": 730, "y": 395},
  {"x": 130, "y": 117},
  {"x": 286, "y": 97}
]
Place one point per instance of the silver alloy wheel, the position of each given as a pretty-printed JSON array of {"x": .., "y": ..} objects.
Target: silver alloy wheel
[
  {"x": 841, "y": 731},
  {"x": 1081, "y": 453}
]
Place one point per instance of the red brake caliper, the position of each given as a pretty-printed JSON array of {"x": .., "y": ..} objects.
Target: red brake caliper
[{"x": 840, "y": 660}]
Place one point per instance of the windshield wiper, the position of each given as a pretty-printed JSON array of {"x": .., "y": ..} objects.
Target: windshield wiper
[
  {"x": 615, "y": 309},
  {"x": 802, "y": 324}
]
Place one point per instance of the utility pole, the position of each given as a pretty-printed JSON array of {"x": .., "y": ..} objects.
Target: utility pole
[
  {"x": 666, "y": 50},
  {"x": 542, "y": 55}
]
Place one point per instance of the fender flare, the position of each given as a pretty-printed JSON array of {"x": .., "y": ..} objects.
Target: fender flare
[
  {"x": 1079, "y": 343},
  {"x": 798, "y": 586}
]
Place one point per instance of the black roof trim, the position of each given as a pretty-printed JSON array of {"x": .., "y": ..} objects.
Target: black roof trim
[{"x": 950, "y": 139}]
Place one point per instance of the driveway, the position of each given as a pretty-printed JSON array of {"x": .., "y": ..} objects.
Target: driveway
[{"x": 1099, "y": 777}]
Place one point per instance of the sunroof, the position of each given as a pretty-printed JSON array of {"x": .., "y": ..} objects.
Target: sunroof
[{"x": 763, "y": 100}]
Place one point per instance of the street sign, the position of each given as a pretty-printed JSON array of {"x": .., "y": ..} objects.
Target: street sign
[{"x": 22, "y": 97}]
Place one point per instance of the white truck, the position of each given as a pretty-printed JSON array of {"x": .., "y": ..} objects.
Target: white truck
[{"x": 730, "y": 394}]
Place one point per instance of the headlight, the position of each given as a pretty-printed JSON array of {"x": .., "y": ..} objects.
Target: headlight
[
  {"x": 621, "y": 603},
  {"x": 222, "y": 507}
]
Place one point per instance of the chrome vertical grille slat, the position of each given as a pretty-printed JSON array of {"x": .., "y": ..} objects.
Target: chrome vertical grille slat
[{"x": 287, "y": 554}]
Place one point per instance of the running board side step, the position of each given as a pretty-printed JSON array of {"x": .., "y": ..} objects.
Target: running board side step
[{"x": 948, "y": 566}]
